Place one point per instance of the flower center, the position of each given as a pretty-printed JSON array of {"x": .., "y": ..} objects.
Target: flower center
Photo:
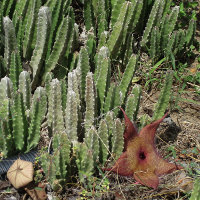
[{"x": 142, "y": 155}]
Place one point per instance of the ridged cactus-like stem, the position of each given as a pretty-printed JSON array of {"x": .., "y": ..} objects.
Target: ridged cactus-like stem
[
  {"x": 20, "y": 128},
  {"x": 2, "y": 64},
  {"x": 161, "y": 29},
  {"x": 115, "y": 11},
  {"x": 25, "y": 88},
  {"x": 21, "y": 8},
  {"x": 115, "y": 39},
  {"x": 4, "y": 105},
  {"x": 15, "y": 68},
  {"x": 84, "y": 161},
  {"x": 117, "y": 139},
  {"x": 170, "y": 44},
  {"x": 190, "y": 32},
  {"x": 168, "y": 26},
  {"x": 63, "y": 86},
  {"x": 62, "y": 148},
  {"x": 102, "y": 17},
  {"x": 129, "y": 19},
  {"x": 90, "y": 102},
  {"x": 128, "y": 75},
  {"x": 66, "y": 5},
  {"x": 1, "y": 24},
  {"x": 95, "y": 7},
  {"x": 88, "y": 14},
  {"x": 176, "y": 42},
  {"x": 101, "y": 55},
  {"x": 102, "y": 40},
  {"x": 48, "y": 163},
  {"x": 109, "y": 100},
  {"x": 164, "y": 97},
  {"x": 103, "y": 141},
  {"x": 120, "y": 91},
  {"x": 83, "y": 67},
  {"x": 159, "y": 15},
  {"x": 113, "y": 2},
  {"x": 137, "y": 12},
  {"x": 159, "y": 51},
  {"x": 91, "y": 45},
  {"x": 56, "y": 7},
  {"x": 133, "y": 102},
  {"x": 75, "y": 39},
  {"x": 19, "y": 35},
  {"x": 110, "y": 122},
  {"x": 9, "y": 40},
  {"x": 127, "y": 49},
  {"x": 150, "y": 22},
  {"x": 196, "y": 190},
  {"x": 6, "y": 88},
  {"x": 182, "y": 40},
  {"x": 102, "y": 75},
  {"x": 56, "y": 165},
  {"x": 118, "y": 100},
  {"x": 74, "y": 84},
  {"x": 166, "y": 7},
  {"x": 6, "y": 137},
  {"x": 3, "y": 135},
  {"x": 37, "y": 114},
  {"x": 39, "y": 52},
  {"x": 92, "y": 142},
  {"x": 71, "y": 116},
  {"x": 6, "y": 6},
  {"x": 153, "y": 50},
  {"x": 65, "y": 151},
  {"x": 55, "y": 114},
  {"x": 48, "y": 78},
  {"x": 62, "y": 41},
  {"x": 31, "y": 18}
]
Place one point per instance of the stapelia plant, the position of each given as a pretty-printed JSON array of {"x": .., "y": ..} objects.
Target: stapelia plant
[{"x": 140, "y": 158}]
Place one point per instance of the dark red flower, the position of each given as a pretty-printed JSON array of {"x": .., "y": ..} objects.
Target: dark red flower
[{"x": 140, "y": 158}]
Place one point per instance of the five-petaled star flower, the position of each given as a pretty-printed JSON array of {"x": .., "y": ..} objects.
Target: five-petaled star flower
[{"x": 140, "y": 158}]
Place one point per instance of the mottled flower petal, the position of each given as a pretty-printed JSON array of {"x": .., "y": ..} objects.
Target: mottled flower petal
[
  {"x": 150, "y": 130},
  {"x": 147, "y": 178},
  {"x": 122, "y": 166},
  {"x": 140, "y": 157},
  {"x": 130, "y": 130}
]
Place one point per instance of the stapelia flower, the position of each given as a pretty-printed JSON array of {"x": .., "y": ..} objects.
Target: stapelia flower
[{"x": 140, "y": 158}]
